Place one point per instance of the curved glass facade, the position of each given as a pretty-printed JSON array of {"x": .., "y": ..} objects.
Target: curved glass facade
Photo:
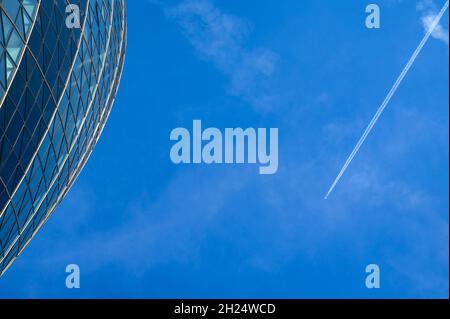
[{"x": 57, "y": 87}]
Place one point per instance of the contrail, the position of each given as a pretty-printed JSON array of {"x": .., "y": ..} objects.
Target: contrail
[{"x": 389, "y": 96}]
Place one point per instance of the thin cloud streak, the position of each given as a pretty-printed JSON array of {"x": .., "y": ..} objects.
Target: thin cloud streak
[{"x": 389, "y": 97}]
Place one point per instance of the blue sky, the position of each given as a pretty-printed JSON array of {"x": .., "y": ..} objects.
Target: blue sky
[{"x": 140, "y": 226}]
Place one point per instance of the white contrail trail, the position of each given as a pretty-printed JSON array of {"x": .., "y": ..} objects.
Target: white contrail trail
[{"x": 389, "y": 96}]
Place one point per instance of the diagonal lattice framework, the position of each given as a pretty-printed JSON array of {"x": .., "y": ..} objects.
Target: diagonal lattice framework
[{"x": 55, "y": 104}]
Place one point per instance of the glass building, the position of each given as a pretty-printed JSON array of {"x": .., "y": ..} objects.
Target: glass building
[{"x": 60, "y": 67}]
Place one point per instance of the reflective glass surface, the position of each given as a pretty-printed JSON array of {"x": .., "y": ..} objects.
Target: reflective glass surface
[{"x": 57, "y": 87}]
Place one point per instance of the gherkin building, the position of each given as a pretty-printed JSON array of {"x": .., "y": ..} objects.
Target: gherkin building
[{"x": 60, "y": 67}]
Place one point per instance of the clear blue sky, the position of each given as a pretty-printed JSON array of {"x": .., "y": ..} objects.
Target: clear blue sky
[{"x": 140, "y": 226}]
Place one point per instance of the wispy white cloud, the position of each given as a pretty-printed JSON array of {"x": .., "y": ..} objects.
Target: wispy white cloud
[
  {"x": 201, "y": 205},
  {"x": 429, "y": 12},
  {"x": 219, "y": 38},
  {"x": 440, "y": 33},
  {"x": 285, "y": 214}
]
